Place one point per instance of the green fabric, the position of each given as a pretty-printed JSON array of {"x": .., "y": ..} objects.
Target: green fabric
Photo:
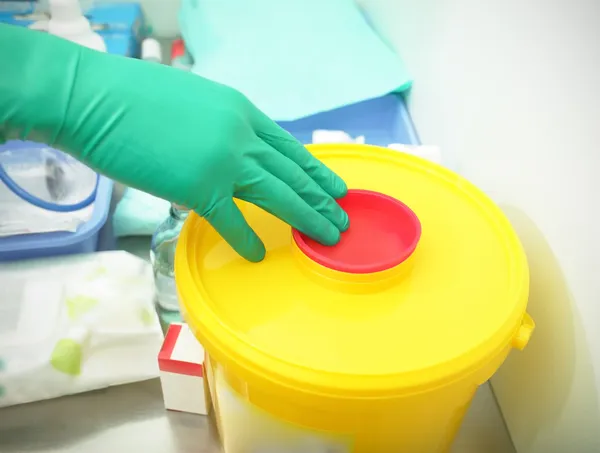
[
  {"x": 292, "y": 58},
  {"x": 167, "y": 132}
]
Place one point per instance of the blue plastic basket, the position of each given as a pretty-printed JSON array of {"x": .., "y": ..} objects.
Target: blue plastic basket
[
  {"x": 85, "y": 240},
  {"x": 381, "y": 120}
]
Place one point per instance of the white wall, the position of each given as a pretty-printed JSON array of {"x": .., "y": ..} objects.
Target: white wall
[{"x": 511, "y": 91}]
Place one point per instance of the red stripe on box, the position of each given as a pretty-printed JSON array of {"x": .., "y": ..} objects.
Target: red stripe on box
[
  {"x": 170, "y": 340},
  {"x": 166, "y": 363},
  {"x": 179, "y": 367}
]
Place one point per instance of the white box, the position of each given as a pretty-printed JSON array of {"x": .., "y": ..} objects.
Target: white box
[{"x": 181, "y": 363}]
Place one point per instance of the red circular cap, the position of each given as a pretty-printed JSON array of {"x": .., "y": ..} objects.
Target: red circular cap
[{"x": 383, "y": 233}]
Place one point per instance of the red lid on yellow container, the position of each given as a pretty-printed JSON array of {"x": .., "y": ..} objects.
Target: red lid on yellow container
[{"x": 383, "y": 233}]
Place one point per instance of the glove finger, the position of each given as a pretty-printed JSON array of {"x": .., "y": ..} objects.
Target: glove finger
[
  {"x": 277, "y": 198},
  {"x": 287, "y": 145},
  {"x": 312, "y": 193},
  {"x": 227, "y": 219}
]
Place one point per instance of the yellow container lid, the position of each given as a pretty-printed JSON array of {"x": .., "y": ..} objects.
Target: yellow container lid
[{"x": 449, "y": 292}]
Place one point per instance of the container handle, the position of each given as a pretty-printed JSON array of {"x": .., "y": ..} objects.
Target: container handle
[{"x": 524, "y": 333}]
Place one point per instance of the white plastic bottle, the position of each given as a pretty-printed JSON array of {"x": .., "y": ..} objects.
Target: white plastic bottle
[
  {"x": 151, "y": 50},
  {"x": 68, "y": 22}
]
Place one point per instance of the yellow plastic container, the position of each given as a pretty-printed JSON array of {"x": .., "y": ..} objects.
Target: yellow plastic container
[{"x": 304, "y": 358}]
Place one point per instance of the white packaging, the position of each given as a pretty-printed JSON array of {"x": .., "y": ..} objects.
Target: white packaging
[
  {"x": 27, "y": 167},
  {"x": 431, "y": 153},
  {"x": 331, "y": 136},
  {"x": 74, "y": 324}
]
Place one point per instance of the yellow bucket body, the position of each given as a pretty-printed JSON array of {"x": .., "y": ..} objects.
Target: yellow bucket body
[{"x": 388, "y": 361}]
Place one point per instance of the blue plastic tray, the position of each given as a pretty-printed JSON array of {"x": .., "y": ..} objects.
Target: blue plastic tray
[
  {"x": 382, "y": 121},
  {"x": 84, "y": 240}
]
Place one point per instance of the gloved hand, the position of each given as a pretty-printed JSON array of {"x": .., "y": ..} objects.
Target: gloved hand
[{"x": 167, "y": 132}]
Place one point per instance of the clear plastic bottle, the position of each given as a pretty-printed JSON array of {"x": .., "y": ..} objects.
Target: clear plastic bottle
[{"x": 162, "y": 257}]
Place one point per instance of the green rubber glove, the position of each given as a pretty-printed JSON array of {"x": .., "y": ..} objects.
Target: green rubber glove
[{"x": 167, "y": 132}]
